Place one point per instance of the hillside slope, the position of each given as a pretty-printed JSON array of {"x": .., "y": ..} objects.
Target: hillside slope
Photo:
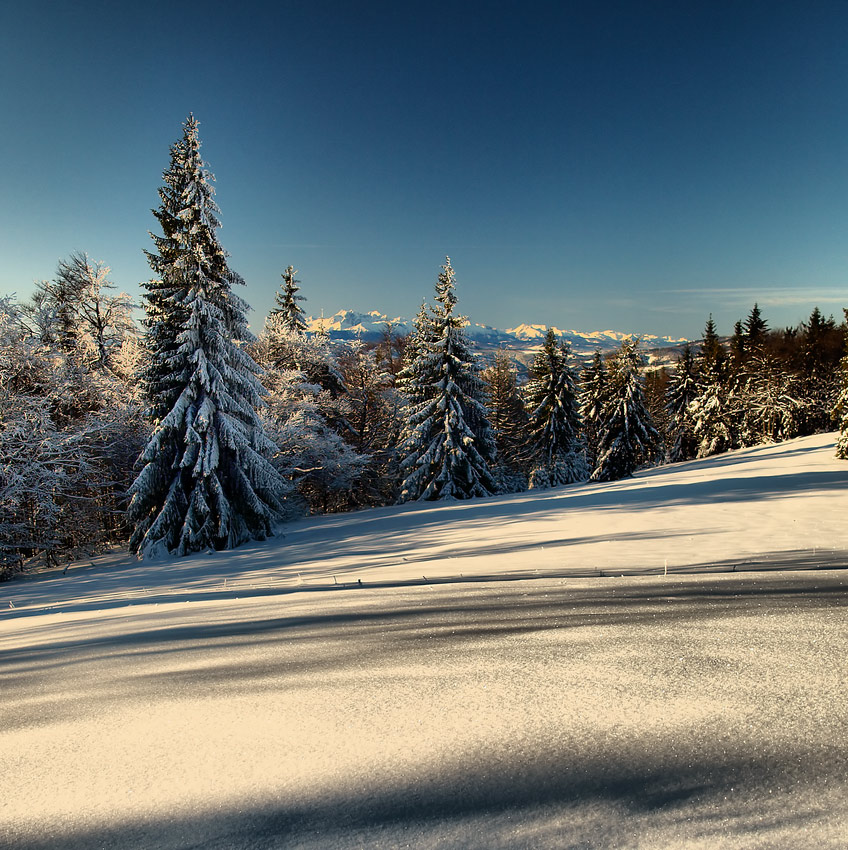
[{"x": 781, "y": 505}]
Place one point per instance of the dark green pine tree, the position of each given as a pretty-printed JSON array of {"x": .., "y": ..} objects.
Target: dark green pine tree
[
  {"x": 628, "y": 438},
  {"x": 554, "y": 420},
  {"x": 818, "y": 374},
  {"x": 756, "y": 329},
  {"x": 290, "y": 313},
  {"x": 206, "y": 480},
  {"x": 448, "y": 449},
  {"x": 713, "y": 358}
]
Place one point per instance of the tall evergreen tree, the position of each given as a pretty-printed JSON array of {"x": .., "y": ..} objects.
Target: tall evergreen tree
[
  {"x": 206, "y": 479},
  {"x": 628, "y": 438},
  {"x": 818, "y": 375},
  {"x": 289, "y": 311},
  {"x": 594, "y": 390},
  {"x": 449, "y": 447},
  {"x": 554, "y": 420},
  {"x": 165, "y": 293},
  {"x": 418, "y": 344},
  {"x": 682, "y": 391},
  {"x": 712, "y": 356},
  {"x": 770, "y": 402},
  {"x": 755, "y": 329}
]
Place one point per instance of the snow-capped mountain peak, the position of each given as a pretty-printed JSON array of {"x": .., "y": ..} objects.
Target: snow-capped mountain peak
[{"x": 370, "y": 327}]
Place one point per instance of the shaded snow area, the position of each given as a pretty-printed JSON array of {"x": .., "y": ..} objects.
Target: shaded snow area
[{"x": 513, "y": 672}]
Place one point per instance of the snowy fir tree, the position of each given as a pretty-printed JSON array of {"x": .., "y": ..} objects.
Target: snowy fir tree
[
  {"x": 712, "y": 357},
  {"x": 419, "y": 342},
  {"x": 288, "y": 309},
  {"x": 711, "y": 413},
  {"x": 554, "y": 420},
  {"x": 628, "y": 438},
  {"x": 508, "y": 418},
  {"x": 448, "y": 448},
  {"x": 594, "y": 392},
  {"x": 682, "y": 391},
  {"x": 756, "y": 329},
  {"x": 819, "y": 370},
  {"x": 769, "y": 401},
  {"x": 206, "y": 480}
]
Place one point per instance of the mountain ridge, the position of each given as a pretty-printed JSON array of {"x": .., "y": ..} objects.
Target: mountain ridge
[{"x": 370, "y": 326}]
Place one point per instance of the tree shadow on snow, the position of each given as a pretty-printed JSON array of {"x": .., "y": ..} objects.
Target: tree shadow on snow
[{"x": 502, "y": 800}]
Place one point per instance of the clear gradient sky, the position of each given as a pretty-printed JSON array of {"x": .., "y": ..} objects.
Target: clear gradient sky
[{"x": 590, "y": 165}]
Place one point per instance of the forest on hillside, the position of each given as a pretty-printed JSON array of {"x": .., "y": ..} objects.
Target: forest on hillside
[{"x": 188, "y": 433}]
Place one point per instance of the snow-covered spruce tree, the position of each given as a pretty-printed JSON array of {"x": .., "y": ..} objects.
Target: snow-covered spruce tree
[
  {"x": 769, "y": 400},
  {"x": 628, "y": 438},
  {"x": 594, "y": 391},
  {"x": 682, "y": 391},
  {"x": 712, "y": 356},
  {"x": 554, "y": 426},
  {"x": 418, "y": 343},
  {"x": 206, "y": 480},
  {"x": 712, "y": 417},
  {"x": 819, "y": 369},
  {"x": 448, "y": 448},
  {"x": 289, "y": 311},
  {"x": 756, "y": 329},
  {"x": 508, "y": 418},
  {"x": 166, "y": 292},
  {"x": 713, "y": 410}
]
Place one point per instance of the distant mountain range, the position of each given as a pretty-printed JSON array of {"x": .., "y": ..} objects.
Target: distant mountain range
[{"x": 522, "y": 339}]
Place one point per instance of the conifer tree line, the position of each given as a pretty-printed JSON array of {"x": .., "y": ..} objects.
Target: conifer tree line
[{"x": 188, "y": 433}]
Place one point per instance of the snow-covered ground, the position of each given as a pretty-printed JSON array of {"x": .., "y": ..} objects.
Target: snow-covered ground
[{"x": 578, "y": 667}]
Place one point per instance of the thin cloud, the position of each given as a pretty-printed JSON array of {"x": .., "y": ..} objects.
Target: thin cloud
[{"x": 773, "y": 297}]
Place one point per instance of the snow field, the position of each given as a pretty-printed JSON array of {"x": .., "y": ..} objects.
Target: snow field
[{"x": 155, "y": 705}]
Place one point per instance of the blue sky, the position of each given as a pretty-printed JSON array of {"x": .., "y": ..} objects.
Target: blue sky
[{"x": 590, "y": 165}]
